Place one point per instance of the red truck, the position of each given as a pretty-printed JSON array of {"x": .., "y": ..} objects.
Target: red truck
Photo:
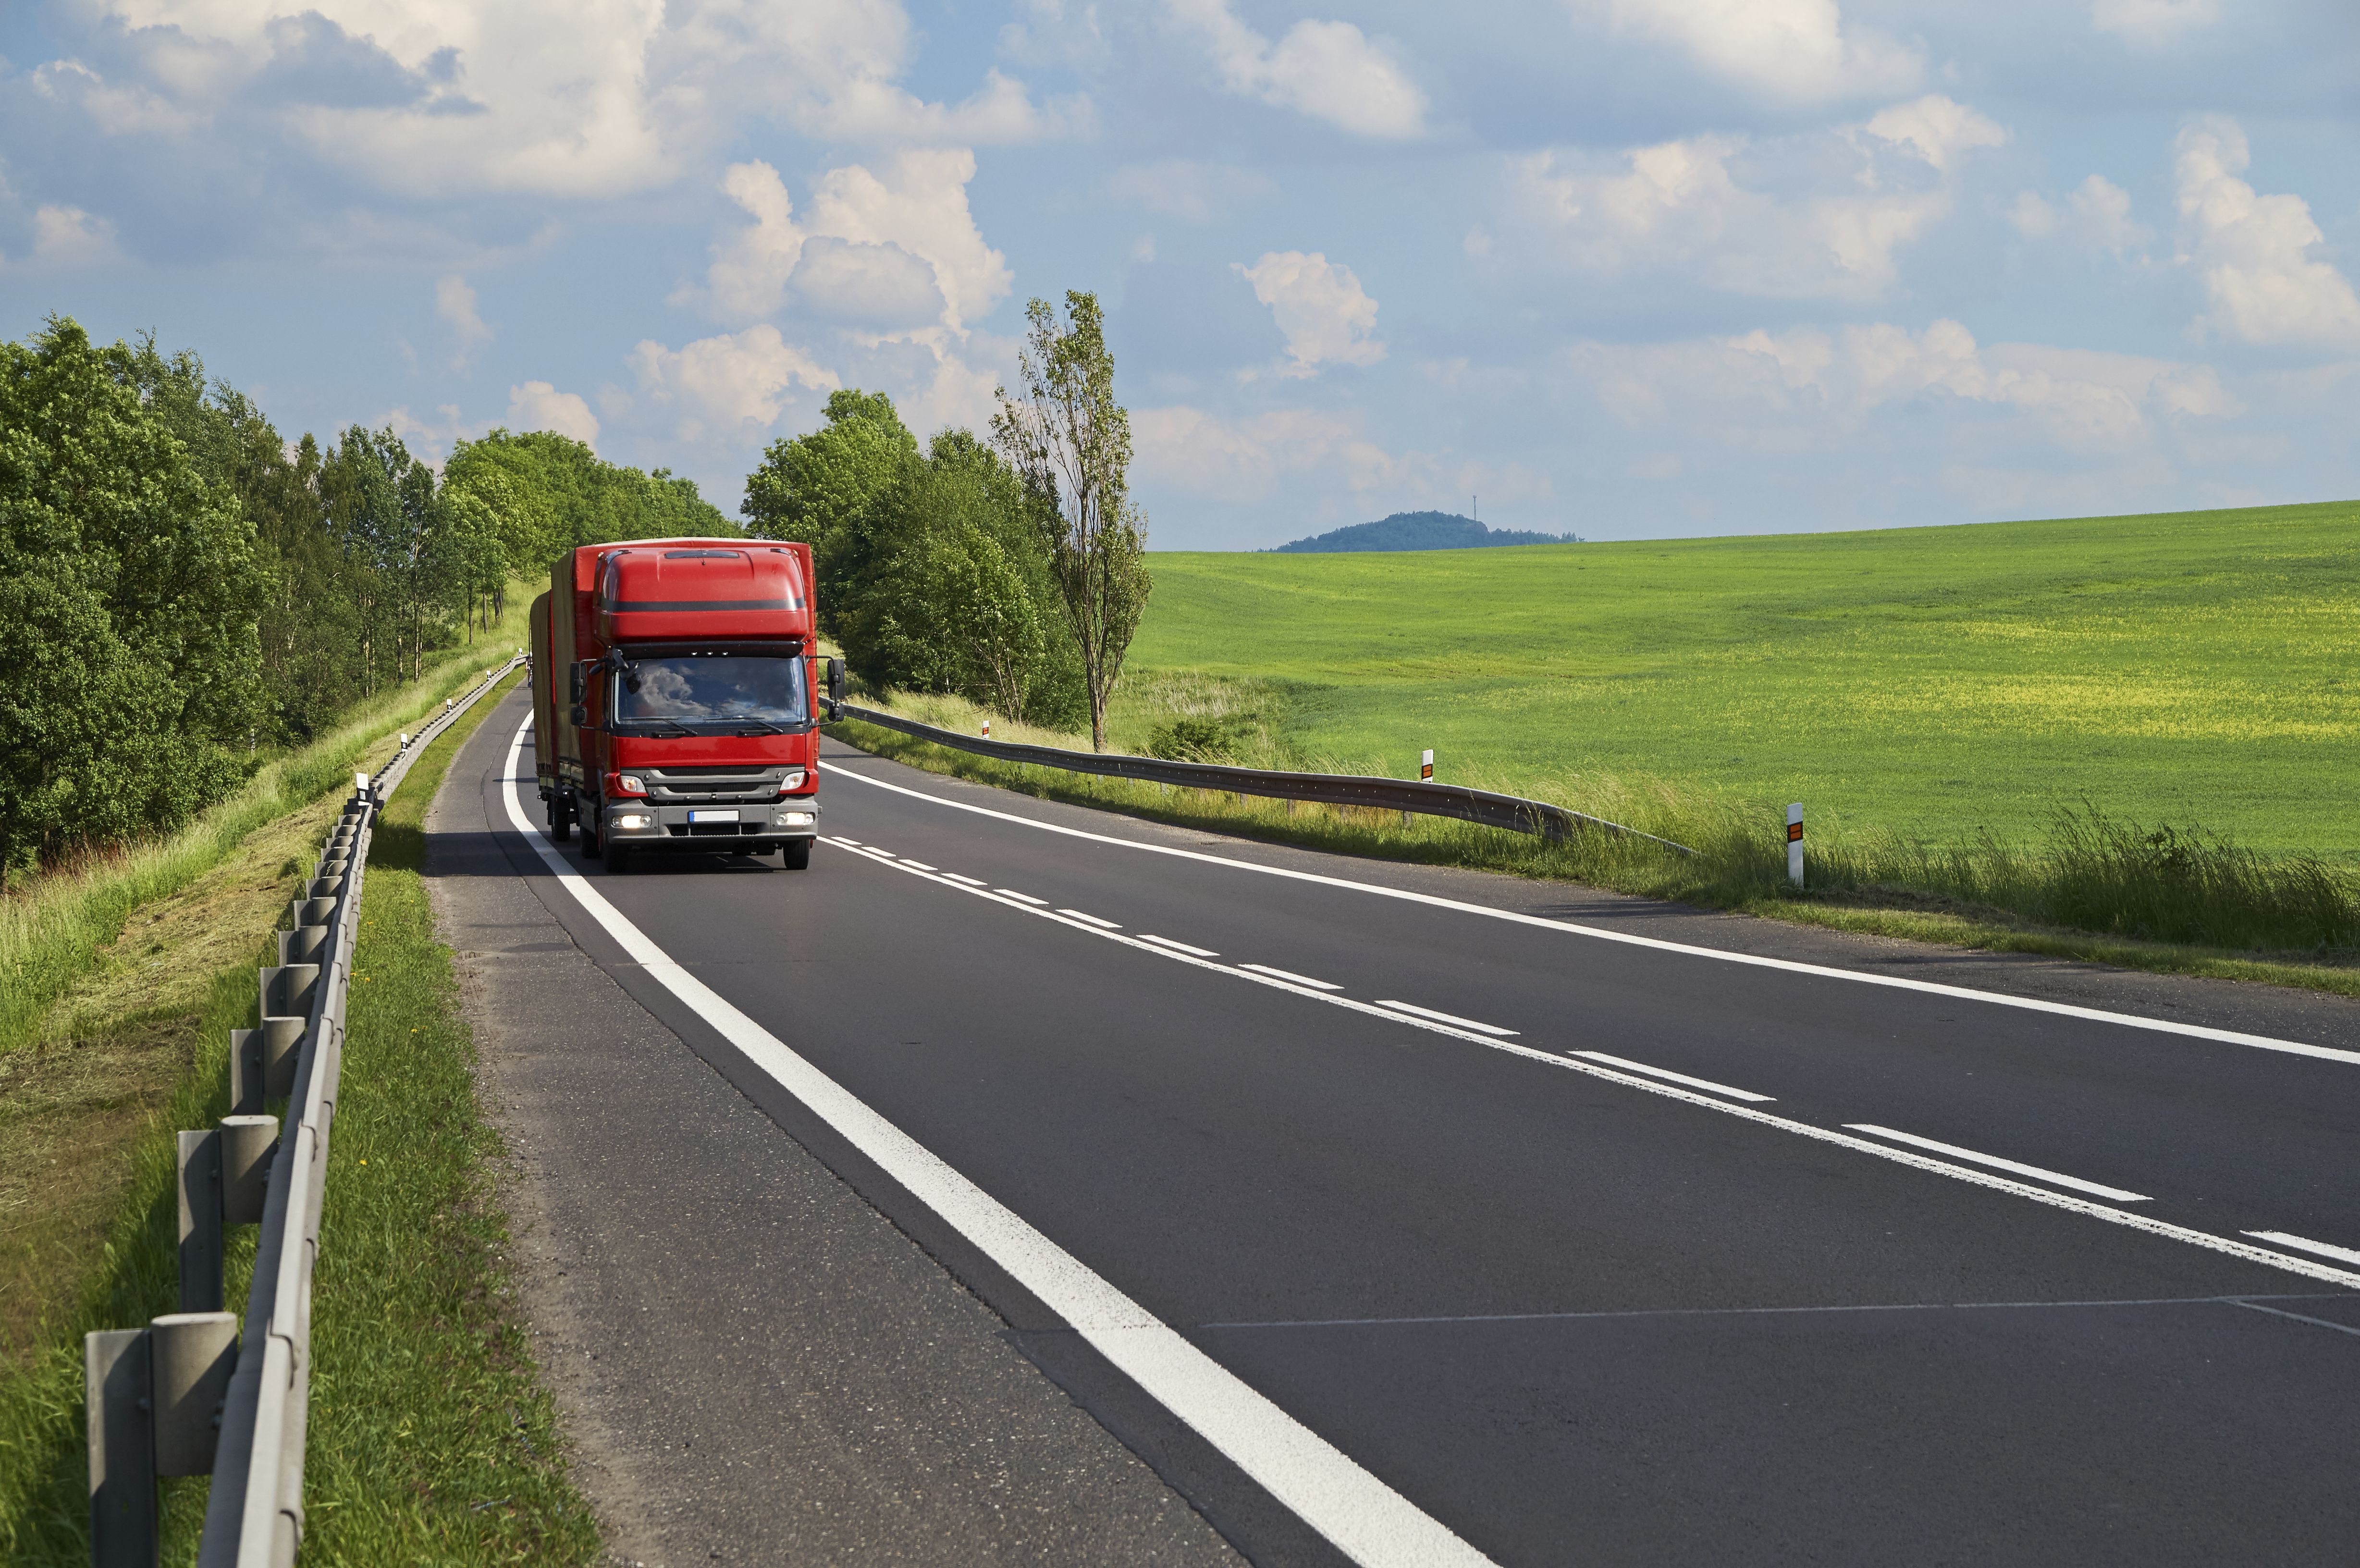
[{"x": 673, "y": 698}]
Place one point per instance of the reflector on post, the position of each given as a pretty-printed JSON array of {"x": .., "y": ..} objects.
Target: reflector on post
[
  {"x": 1425, "y": 766},
  {"x": 1794, "y": 843}
]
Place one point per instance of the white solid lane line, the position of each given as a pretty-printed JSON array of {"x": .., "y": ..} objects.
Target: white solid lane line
[
  {"x": 1366, "y": 1520},
  {"x": 1789, "y": 965},
  {"x": 1023, "y": 897},
  {"x": 1665, "y": 1073},
  {"x": 2341, "y": 1254},
  {"x": 1167, "y": 942},
  {"x": 1996, "y": 1163},
  {"x": 1093, "y": 920},
  {"x": 1261, "y": 975},
  {"x": 1452, "y": 1019},
  {"x": 1290, "y": 975}
]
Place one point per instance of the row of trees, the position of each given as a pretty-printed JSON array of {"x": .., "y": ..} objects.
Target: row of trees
[
  {"x": 183, "y": 592},
  {"x": 1011, "y": 570}
]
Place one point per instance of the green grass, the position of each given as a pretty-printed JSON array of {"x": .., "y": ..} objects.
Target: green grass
[
  {"x": 430, "y": 1439},
  {"x": 2194, "y": 668},
  {"x": 51, "y": 930}
]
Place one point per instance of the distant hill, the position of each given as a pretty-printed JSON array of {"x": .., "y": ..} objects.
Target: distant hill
[{"x": 1417, "y": 530}]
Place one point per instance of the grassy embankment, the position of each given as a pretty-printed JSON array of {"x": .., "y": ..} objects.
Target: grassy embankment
[
  {"x": 132, "y": 1047},
  {"x": 1990, "y": 725}
]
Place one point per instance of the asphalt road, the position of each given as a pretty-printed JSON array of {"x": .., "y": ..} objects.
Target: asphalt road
[{"x": 1481, "y": 1217}]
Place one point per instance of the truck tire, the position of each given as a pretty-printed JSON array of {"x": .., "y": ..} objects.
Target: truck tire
[
  {"x": 795, "y": 856},
  {"x": 561, "y": 818}
]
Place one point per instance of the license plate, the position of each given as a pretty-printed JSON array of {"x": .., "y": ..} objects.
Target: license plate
[{"x": 712, "y": 816}]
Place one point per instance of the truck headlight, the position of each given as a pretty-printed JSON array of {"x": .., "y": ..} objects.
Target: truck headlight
[
  {"x": 631, "y": 784},
  {"x": 793, "y": 820},
  {"x": 630, "y": 820},
  {"x": 792, "y": 782}
]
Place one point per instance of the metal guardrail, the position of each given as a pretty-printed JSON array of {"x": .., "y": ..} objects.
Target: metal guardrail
[
  {"x": 184, "y": 1396},
  {"x": 1513, "y": 813}
]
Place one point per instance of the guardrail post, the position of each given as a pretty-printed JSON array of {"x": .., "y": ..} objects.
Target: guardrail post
[
  {"x": 191, "y": 1356},
  {"x": 304, "y": 944},
  {"x": 201, "y": 1222},
  {"x": 119, "y": 1397},
  {"x": 246, "y": 1145},
  {"x": 246, "y": 1072}
]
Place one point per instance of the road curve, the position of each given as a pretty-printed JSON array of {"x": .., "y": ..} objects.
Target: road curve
[{"x": 1392, "y": 1215}]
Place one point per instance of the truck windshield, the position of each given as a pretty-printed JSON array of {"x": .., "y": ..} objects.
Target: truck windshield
[{"x": 717, "y": 688}]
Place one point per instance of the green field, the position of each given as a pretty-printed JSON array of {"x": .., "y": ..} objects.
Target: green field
[{"x": 2195, "y": 667}]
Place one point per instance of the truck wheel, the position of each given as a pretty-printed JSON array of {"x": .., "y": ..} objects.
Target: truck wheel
[
  {"x": 796, "y": 856},
  {"x": 561, "y": 818}
]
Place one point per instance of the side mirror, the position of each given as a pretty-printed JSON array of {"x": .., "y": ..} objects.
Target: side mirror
[
  {"x": 578, "y": 716},
  {"x": 835, "y": 683},
  {"x": 578, "y": 683}
]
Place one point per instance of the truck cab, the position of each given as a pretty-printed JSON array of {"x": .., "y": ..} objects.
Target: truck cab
[{"x": 675, "y": 708}]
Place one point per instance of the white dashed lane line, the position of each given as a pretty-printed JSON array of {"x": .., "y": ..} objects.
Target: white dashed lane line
[
  {"x": 1671, "y": 1077},
  {"x": 1453, "y": 1019},
  {"x": 1091, "y": 920},
  {"x": 919, "y": 864},
  {"x": 1182, "y": 946},
  {"x": 1289, "y": 975},
  {"x": 1716, "y": 1096},
  {"x": 2053, "y": 1178},
  {"x": 966, "y": 881},
  {"x": 2341, "y": 1254}
]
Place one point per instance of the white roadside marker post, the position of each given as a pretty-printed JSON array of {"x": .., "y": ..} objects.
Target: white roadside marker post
[
  {"x": 1794, "y": 843},
  {"x": 986, "y": 729},
  {"x": 1426, "y": 766}
]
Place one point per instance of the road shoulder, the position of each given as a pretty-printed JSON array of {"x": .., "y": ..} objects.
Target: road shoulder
[{"x": 753, "y": 1364}]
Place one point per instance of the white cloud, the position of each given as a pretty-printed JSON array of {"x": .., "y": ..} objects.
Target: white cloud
[
  {"x": 1790, "y": 50},
  {"x": 2096, "y": 217},
  {"x": 2253, "y": 251},
  {"x": 1201, "y": 453},
  {"x": 749, "y": 276},
  {"x": 537, "y": 405},
  {"x": 917, "y": 201},
  {"x": 2080, "y": 399},
  {"x": 1678, "y": 207},
  {"x": 1320, "y": 306},
  {"x": 1183, "y": 188},
  {"x": 726, "y": 388},
  {"x": 2153, "y": 23},
  {"x": 594, "y": 99},
  {"x": 888, "y": 250},
  {"x": 69, "y": 238},
  {"x": 1936, "y": 128},
  {"x": 455, "y": 304},
  {"x": 1329, "y": 71}
]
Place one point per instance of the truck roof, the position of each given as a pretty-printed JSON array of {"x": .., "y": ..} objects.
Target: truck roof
[{"x": 698, "y": 588}]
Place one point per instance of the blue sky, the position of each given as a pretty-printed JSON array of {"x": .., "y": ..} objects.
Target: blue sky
[{"x": 1627, "y": 267}]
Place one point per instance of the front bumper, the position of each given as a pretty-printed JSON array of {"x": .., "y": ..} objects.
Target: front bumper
[{"x": 662, "y": 825}]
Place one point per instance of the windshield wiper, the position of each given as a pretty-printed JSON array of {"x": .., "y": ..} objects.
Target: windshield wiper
[
  {"x": 768, "y": 727},
  {"x": 669, "y": 732}
]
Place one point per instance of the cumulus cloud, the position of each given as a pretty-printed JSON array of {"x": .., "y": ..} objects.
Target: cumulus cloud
[
  {"x": 455, "y": 304},
  {"x": 2253, "y": 252},
  {"x": 1679, "y": 207},
  {"x": 563, "y": 100},
  {"x": 2096, "y": 217},
  {"x": 69, "y": 239},
  {"x": 539, "y": 406},
  {"x": 2153, "y": 23},
  {"x": 1788, "y": 50},
  {"x": 888, "y": 250},
  {"x": 1183, "y": 188},
  {"x": 1320, "y": 306},
  {"x": 1329, "y": 71},
  {"x": 2080, "y": 399},
  {"x": 1202, "y": 453},
  {"x": 729, "y": 386}
]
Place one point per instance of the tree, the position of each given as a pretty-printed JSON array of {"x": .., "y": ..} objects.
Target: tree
[
  {"x": 1069, "y": 443},
  {"x": 816, "y": 488}
]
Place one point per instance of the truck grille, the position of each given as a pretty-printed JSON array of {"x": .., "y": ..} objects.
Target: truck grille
[{"x": 713, "y": 784}]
